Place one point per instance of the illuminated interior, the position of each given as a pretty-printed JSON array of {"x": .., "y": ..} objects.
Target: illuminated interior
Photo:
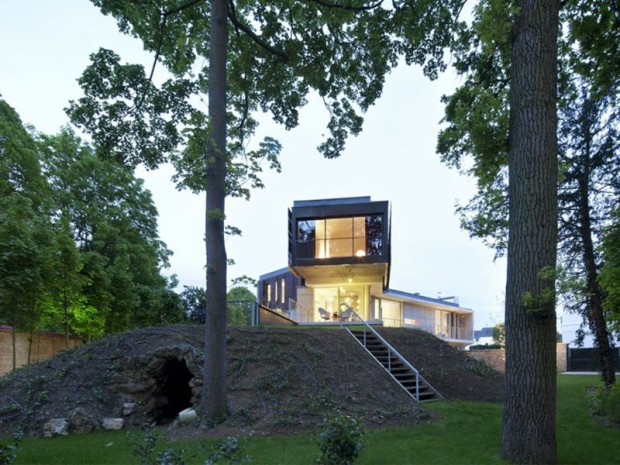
[
  {"x": 330, "y": 298},
  {"x": 357, "y": 236}
]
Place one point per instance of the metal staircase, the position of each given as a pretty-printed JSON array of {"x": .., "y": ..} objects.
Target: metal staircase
[{"x": 393, "y": 362}]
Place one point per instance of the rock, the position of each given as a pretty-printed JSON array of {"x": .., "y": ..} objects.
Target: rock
[
  {"x": 56, "y": 427},
  {"x": 112, "y": 423},
  {"x": 187, "y": 416},
  {"x": 129, "y": 408},
  {"x": 81, "y": 422},
  {"x": 132, "y": 386}
]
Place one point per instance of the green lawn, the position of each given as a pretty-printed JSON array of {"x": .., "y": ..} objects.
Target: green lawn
[{"x": 469, "y": 433}]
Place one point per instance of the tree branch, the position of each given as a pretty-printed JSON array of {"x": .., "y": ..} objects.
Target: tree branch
[
  {"x": 160, "y": 43},
  {"x": 259, "y": 41},
  {"x": 349, "y": 7}
]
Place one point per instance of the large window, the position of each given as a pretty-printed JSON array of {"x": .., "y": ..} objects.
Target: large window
[
  {"x": 330, "y": 299},
  {"x": 357, "y": 236}
]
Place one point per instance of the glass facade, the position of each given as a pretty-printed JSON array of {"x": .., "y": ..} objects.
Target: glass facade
[
  {"x": 357, "y": 236},
  {"x": 330, "y": 298}
]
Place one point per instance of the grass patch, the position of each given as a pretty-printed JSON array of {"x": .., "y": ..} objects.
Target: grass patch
[
  {"x": 469, "y": 432},
  {"x": 581, "y": 438}
]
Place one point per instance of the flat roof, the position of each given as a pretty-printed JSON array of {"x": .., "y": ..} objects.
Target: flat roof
[
  {"x": 274, "y": 273},
  {"x": 417, "y": 297},
  {"x": 340, "y": 201}
]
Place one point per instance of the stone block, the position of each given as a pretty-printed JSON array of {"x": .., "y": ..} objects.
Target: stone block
[
  {"x": 81, "y": 422},
  {"x": 113, "y": 423},
  {"x": 56, "y": 427}
]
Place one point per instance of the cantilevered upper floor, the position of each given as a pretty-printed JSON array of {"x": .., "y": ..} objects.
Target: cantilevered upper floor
[{"x": 340, "y": 239}]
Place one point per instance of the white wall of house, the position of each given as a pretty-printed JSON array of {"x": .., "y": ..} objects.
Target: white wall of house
[
  {"x": 391, "y": 313},
  {"x": 416, "y": 316},
  {"x": 570, "y": 324}
]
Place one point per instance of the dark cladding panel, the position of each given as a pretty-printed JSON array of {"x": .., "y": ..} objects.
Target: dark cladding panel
[
  {"x": 276, "y": 289},
  {"x": 339, "y": 231}
]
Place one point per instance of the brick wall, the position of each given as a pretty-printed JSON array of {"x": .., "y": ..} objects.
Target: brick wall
[
  {"x": 44, "y": 345},
  {"x": 562, "y": 357},
  {"x": 497, "y": 358}
]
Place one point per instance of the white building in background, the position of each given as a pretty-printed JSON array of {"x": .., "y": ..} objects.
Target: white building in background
[{"x": 570, "y": 323}]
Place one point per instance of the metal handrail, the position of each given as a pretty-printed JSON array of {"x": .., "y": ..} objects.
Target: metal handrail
[{"x": 390, "y": 350}]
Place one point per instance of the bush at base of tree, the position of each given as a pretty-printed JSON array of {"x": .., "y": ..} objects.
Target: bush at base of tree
[{"x": 605, "y": 402}]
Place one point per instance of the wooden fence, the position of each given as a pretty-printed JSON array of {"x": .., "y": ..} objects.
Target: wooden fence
[{"x": 42, "y": 346}]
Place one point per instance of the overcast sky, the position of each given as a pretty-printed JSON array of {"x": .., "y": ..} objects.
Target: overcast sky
[{"x": 45, "y": 46}]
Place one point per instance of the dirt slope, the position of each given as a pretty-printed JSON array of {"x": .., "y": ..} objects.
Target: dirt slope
[{"x": 280, "y": 380}]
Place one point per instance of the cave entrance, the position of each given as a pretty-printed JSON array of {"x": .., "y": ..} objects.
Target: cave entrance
[{"x": 173, "y": 393}]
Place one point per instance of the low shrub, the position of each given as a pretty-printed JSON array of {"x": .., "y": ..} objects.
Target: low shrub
[
  {"x": 230, "y": 450},
  {"x": 146, "y": 448},
  {"x": 341, "y": 441},
  {"x": 8, "y": 451},
  {"x": 485, "y": 346},
  {"x": 605, "y": 402}
]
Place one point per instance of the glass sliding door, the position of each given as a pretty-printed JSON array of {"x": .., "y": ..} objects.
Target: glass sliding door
[
  {"x": 330, "y": 299},
  {"x": 391, "y": 313}
]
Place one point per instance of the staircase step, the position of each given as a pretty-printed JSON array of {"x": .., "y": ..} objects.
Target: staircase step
[{"x": 398, "y": 369}]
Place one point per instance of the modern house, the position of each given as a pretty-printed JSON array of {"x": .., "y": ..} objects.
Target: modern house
[{"x": 339, "y": 255}]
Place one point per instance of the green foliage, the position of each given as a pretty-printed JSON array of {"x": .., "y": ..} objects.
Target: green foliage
[
  {"x": 499, "y": 334},
  {"x": 228, "y": 450},
  {"x": 605, "y": 402},
  {"x": 241, "y": 302},
  {"x": 8, "y": 451},
  {"x": 594, "y": 26},
  {"x": 480, "y": 367},
  {"x": 485, "y": 346},
  {"x": 79, "y": 248},
  {"x": 125, "y": 134},
  {"x": 23, "y": 259},
  {"x": 20, "y": 170},
  {"x": 245, "y": 280},
  {"x": 151, "y": 448},
  {"x": 610, "y": 274},
  {"x": 194, "y": 300},
  {"x": 145, "y": 448},
  {"x": 113, "y": 255},
  {"x": 26, "y": 237},
  {"x": 540, "y": 304},
  {"x": 341, "y": 441},
  {"x": 300, "y": 46}
]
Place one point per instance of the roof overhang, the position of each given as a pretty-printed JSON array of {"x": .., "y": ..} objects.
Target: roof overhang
[
  {"x": 424, "y": 301},
  {"x": 336, "y": 274}
]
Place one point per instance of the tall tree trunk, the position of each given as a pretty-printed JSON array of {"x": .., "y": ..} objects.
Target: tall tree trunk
[
  {"x": 66, "y": 307},
  {"x": 530, "y": 385},
  {"x": 30, "y": 339},
  {"x": 214, "y": 387},
  {"x": 14, "y": 343},
  {"x": 595, "y": 313}
]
